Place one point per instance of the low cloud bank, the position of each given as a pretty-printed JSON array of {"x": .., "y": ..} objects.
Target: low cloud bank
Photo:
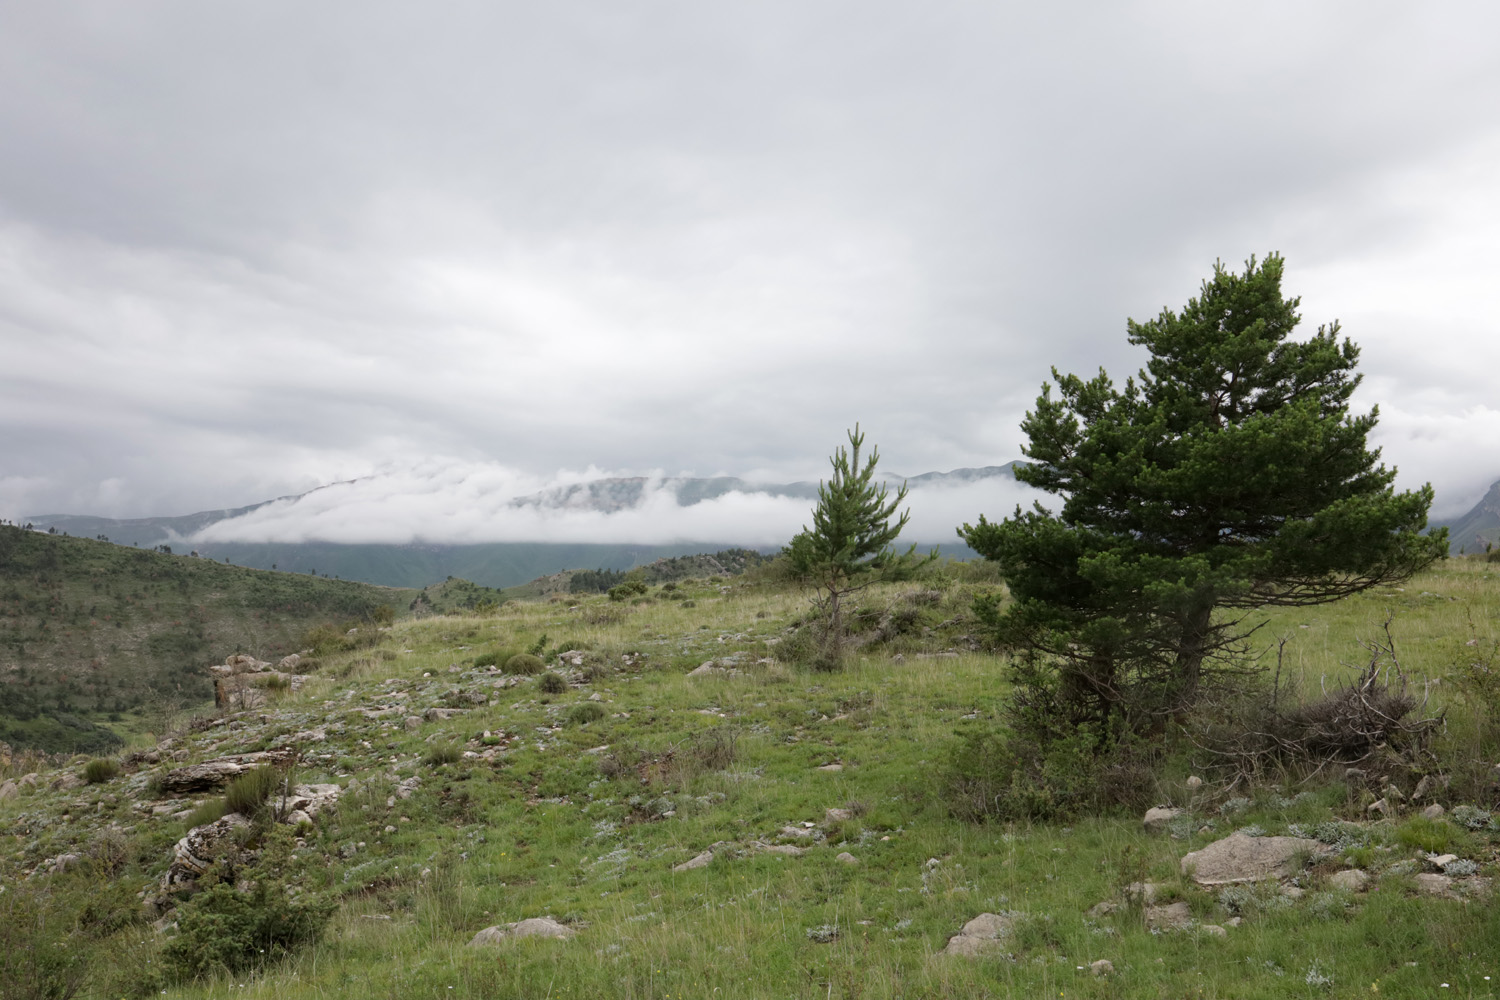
[{"x": 465, "y": 504}]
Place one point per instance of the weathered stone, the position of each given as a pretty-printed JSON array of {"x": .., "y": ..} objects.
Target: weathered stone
[
  {"x": 1434, "y": 811},
  {"x": 1380, "y": 807},
  {"x": 837, "y": 815},
  {"x": 1350, "y": 879},
  {"x": 289, "y": 662},
  {"x": 1238, "y": 858},
  {"x": 1159, "y": 818},
  {"x": 981, "y": 936},
  {"x": 541, "y": 927},
  {"x": 199, "y": 849},
  {"x": 697, "y": 861},
  {"x": 9, "y": 790},
  {"x": 1104, "y": 909},
  {"x": 707, "y": 669},
  {"x": 29, "y": 780},
  {"x": 1143, "y": 892},
  {"x": 789, "y": 850},
  {"x": 442, "y": 714},
  {"x": 213, "y": 774},
  {"x": 1194, "y": 783},
  {"x": 313, "y": 799},
  {"x": 413, "y": 722},
  {"x": 1173, "y": 916},
  {"x": 1102, "y": 967},
  {"x": 1442, "y": 860},
  {"x": 1293, "y": 891},
  {"x": 1213, "y": 930},
  {"x": 1435, "y": 885},
  {"x": 847, "y": 858},
  {"x": 831, "y": 767}
]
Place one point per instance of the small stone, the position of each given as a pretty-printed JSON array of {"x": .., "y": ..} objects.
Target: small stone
[
  {"x": 697, "y": 861},
  {"x": 390, "y": 829},
  {"x": 831, "y": 767},
  {"x": 1393, "y": 793},
  {"x": 1194, "y": 782},
  {"x": 1435, "y": 885},
  {"x": 1442, "y": 860},
  {"x": 596, "y": 696},
  {"x": 1159, "y": 818},
  {"x": 1293, "y": 891},
  {"x": 1169, "y": 917},
  {"x": 1434, "y": 811},
  {"x": 1143, "y": 892},
  {"x": 532, "y": 927},
  {"x": 1103, "y": 967},
  {"x": 413, "y": 722},
  {"x": 1380, "y": 807},
  {"x": 847, "y": 858},
  {"x": 1234, "y": 921},
  {"x": 837, "y": 815},
  {"x": 1238, "y": 858},
  {"x": 1350, "y": 879},
  {"x": 789, "y": 850},
  {"x": 1103, "y": 909},
  {"x": 980, "y": 936},
  {"x": 1214, "y": 930},
  {"x": 9, "y": 790}
]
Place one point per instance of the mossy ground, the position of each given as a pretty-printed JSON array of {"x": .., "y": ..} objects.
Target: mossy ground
[{"x": 584, "y": 821}]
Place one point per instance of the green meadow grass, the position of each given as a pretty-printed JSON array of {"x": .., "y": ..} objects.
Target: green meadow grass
[{"x": 584, "y": 821}]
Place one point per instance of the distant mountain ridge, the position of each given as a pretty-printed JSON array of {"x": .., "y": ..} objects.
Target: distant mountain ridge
[
  {"x": 497, "y": 564},
  {"x": 1479, "y": 528}
]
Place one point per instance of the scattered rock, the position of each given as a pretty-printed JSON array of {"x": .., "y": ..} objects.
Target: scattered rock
[
  {"x": 1380, "y": 807},
  {"x": 596, "y": 696},
  {"x": 1213, "y": 930},
  {"x": 1159, "y": 818},
  {"x": 1293, "y": 891},
  {"x": 790, "y": 850},
  {"x": 847, "y": 858},
  {"x": 1173, "y": 916},
  {"x": 1350, "y": 879},
  {"x": 531, "y": 927},
  {"x": 312, "y": 799},
  {"x": 981, "y": 936},
  {"x": 1436, "y": 885},
  {"x": 1104, "y": 909},
  {"x": 413, "y": 722},
  {"x": 1103, "y": 967},
  {"x": 1234, "y": 921},
  {"x": 1441, "y": 861},
  {"x": 1194, "y": 783},
  {"x": 1238, "y": 858},
  {"x": 831, "y": 767},
  {"x": 9, "y": 790},
  {"x": 698, "y": 861},
  {"x": 837, "y": 815},
  {"x": 442, "y": 714},
  {"x": 1434, "y": 811},
  {"x": 1143, "y": 892}
]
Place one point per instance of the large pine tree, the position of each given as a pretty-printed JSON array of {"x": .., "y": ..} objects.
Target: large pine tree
[{"x": 1229, "y": 475}]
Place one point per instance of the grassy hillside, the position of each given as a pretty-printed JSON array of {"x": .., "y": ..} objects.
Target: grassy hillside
[
  {"x": 96, "y": 636},
  {"x": 578, "y": 798}
]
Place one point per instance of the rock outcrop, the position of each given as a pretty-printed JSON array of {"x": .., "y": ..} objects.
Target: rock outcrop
[{"x": 1241, "y": 858}]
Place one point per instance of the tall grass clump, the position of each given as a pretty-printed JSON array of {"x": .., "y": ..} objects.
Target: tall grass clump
[
  {"x": 249, "y": 793},
  {"x": 100, "y": 769}
]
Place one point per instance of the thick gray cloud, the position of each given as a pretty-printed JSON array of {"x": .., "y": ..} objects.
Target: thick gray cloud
[{"x": 246, "y": 251}]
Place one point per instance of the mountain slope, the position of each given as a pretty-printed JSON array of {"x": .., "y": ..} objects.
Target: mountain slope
[
  {"x": 1479, "y": 528},
  {"x": 94, "y": 634}
]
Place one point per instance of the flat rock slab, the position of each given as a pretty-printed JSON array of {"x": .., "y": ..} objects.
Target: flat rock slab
[
  {"x": 698, "y": 861},
  {"x": 984, "y": 935},
  {"x": 1238, "y": 858},
  {"x": 1350, "y": 879},
  {"x": 214, "y": 774},
  {"x": 531, "y": 927}
]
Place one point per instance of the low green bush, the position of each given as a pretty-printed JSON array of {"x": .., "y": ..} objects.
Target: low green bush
[
  {"x": 526, "y": 664},
  {"x": 589, "y": 711},
  {"x": 552, "y": 683},
  {"x": 207, "y": 812},
  {"x": 226, "y": 929}
]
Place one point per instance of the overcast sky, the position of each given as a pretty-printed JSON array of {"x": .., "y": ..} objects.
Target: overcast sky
[{"x": 246, "y": 250}]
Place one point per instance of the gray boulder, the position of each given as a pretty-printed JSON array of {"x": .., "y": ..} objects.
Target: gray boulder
[
  {"x": 984, "y": 935},
  {"x": 1238, "y": 858},
  {"x": 1159, "y": 818},
  {"x": 531, "y": 927}
]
